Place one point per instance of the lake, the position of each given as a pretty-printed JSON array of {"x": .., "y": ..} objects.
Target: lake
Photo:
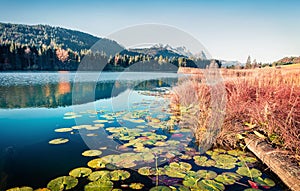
[{"x": 123, "y": 122}]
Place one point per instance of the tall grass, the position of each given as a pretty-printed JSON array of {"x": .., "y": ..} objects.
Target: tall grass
[{"x": 267, "y": 100}]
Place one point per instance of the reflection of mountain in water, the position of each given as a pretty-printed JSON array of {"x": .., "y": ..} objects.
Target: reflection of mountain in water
[{"x": 53, "y": 95}]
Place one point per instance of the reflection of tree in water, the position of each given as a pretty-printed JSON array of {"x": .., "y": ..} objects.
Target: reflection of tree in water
[{"x": 60, "y": 94}]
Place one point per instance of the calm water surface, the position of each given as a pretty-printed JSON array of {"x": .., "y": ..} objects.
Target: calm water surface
[{"x": 33, "y": 105}]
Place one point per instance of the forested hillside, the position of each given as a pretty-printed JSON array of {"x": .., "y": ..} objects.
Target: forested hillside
[{"x": 47, "y": 48}]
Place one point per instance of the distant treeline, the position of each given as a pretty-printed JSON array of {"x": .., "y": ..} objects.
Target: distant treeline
[{"x": 14, "y": 56}]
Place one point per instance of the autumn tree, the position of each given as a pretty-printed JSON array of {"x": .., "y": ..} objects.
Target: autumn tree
[{"x": 62, "y": 55}]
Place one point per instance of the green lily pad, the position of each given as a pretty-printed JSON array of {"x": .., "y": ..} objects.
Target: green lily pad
[
  {"x": 177, "y": 170},
  {"x": 206, "y": 174},
  {"x": 80, "y": 172},
  {"x": 99, "y": 185},
  {"x": 224, "y": 165},
  {"x": 252, "y": 189},
  {"x": 97, "y": 175},
  {"x": 210, "y": 185},
  {"x": 203, "y": 161},
  {"x": 111, "y": 167},
  {"x": 224, "y": 158},
  {"x": 148, "y": 171},
  {"x": 58, "y": 141},
  {"x": 62, "y": 183},
  {"x": 117, "y": 175},
  {"x": 136, "y": 186},
  {"x": 182, "y": 166},
  {"x": 97, "y": 163},
  {"x": 252, "y": 173},
  {"x": 191, "y": 179},
  {"x": 228, "y": 178},
  {"x": 185, "y": 157},
  {"x": 175, "y": 174},
  {"x": 264, "y": 182},
  {"x": 24, "y": 188},
  {"x": 224, "y": 161},
  {"x": 248, "y": 159},
  {"x": 63, "y": 130},
  {"x": 160, "y": 188},
  {"x": 91, "y": 153},
  {"x": 236, "y": 152}
]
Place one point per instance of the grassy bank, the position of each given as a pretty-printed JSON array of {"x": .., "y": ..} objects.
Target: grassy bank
[{"x": 261, "y": 102}]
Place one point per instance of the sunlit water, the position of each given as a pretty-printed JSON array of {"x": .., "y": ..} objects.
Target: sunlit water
[{"x": 33, "y": 105}]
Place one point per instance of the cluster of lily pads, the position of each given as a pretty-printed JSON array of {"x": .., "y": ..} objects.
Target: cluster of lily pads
[
  {"x": 208, "y": 179},
  {"x": 151, "y": 144}
]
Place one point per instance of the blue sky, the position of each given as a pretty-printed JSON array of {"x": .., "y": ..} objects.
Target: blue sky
[{"x": 266, "y": 30}]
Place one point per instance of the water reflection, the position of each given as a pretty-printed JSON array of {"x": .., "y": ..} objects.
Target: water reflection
[{"x": 52, "y": 95}]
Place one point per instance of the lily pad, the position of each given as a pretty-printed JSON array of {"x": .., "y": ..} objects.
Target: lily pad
[
  {"x": 264, "y": 182},
  {"x": 80, "y": 172},
  {"x": 62, "y": 183},
  {"x": 91, "y": 153},
  {"x": 91, "y": 128},
  {"x": 178, "y": 170},
  {"x": 70, "y": 113},
  {"x": 99, "y": 125},
  {"x": 148, "y": 171},
  {"x": 236, "y": 152},
  {"x": 228, "y": 178},
  {"x": 72, "y": 116},
  {"x": 160, "y": 188},
  {"x": 58, "y": 141},
  {"x": 99, "y": 185},
  {"x": 203, "y": 161},
  {"x": 210, "y": 185},
  {"x": 117, "y": 175},
  {"x": 136, "y": 186},
  {"x": 224, "y": 161},
  {"x": 252, "y": 189},
  {"x": 97, "y": 163},
  {"x": 77, "y": 127},
  {"x": 252, "y": 173},
  {"x": 97, "y": 175},
  {"x": 100, "y": 121},
  {"x": 191, "y": 179},
  {"x": 248, "y": 159},
  {"x": 207, "y": 174},
  {"x": 62, "y": 130},
  {"x": 24, "y": 188},
  {"x": 182, "y": 166}
]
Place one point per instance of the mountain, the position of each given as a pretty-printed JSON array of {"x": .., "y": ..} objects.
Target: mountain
[
  {"x": 37, "y": 35},
  {"x": 288, "y": 60},
  {"x": 168, "y": 51},
  {"x": 156, "y": 51}
]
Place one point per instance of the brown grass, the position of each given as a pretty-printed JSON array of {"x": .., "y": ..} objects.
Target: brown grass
[{"x": 267, "y": 99}]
